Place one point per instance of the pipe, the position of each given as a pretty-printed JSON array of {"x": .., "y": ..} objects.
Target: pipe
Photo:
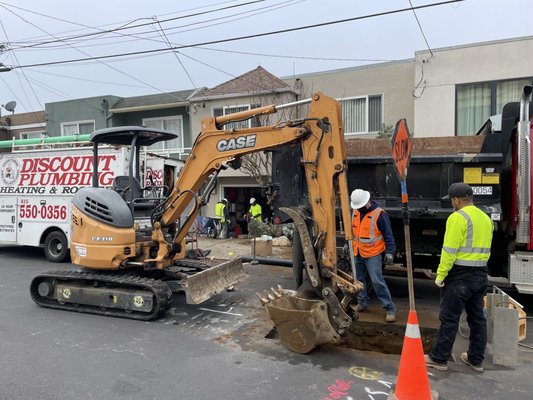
[
  {"x": 5, "y": 144},
  {"x": 524, "y": 169},
  {"x": 282, "y": 262}
]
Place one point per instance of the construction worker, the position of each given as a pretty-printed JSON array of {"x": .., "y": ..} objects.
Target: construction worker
[
  {"x": 462, "y": 277},
  {"x": 255, "y": 211},
  {"x": 372, "y": 238},
  {"x": 222, "y": 215}
]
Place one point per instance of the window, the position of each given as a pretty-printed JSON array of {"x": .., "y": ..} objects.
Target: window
[
  {"x": 476, "y": 102},
  {"x": 31, "y": 135},
  {"x": 253, "y": 122},
  {"x": 362, "y": 114},
  {"x": 77, "y": 128},
  {"x": 171, "y": 123}
]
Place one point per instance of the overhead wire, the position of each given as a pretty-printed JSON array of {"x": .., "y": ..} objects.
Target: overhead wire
[
  {"x": 245, "y": 37},
  {"x": 137, "y": 35},
  {"x": 165, "y": 38},
  {"x": 64, "y": 39},
  {"x": 422, "y": 80},
  {"x": 100, "y": 61},
  {"x": 42, "y": 37},
  {"x": 14, "y": 56}
]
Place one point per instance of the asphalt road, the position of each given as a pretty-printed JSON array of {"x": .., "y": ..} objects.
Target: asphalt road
[{"x": 216, "y": 350}]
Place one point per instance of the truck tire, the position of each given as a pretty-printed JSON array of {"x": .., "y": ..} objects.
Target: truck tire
[
  {"x": 297, "y": 260},
  {"x": 56, "y": 246}
]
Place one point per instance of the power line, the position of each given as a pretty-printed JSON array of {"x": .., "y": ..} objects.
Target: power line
[
  {"x": 97, "y": 59},
  {"x": 23, "y": 73},
  {"x": 421, "y": 30},
  {"x": 195, "y": 24},
  {"x": 241, "y": 37},
  {"x": 57, "y": 39},
  {"x": 100, "y": 26}
]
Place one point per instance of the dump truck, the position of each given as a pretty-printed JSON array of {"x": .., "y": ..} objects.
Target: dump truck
[{"x": 496, "y": 163}]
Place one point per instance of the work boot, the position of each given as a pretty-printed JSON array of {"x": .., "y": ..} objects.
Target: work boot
[
  {"x": 390, "y": 317},
  {"x": 433, "y": 364},
  {"x": 477, "y": 368}
]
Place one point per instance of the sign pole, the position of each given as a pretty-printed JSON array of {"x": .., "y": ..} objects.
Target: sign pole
[
  {"x": 407, "y": 234},
  {"x": 401, "y": 155}
]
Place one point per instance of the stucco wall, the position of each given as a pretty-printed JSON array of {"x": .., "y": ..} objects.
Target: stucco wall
[
  {"x": 86, "y": 109},
  {"x": 434, "y": 111},
  {"x": 392, "y": 80}
]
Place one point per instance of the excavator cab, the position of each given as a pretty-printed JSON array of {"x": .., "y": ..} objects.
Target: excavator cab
[{"x": 134, "y": 138}]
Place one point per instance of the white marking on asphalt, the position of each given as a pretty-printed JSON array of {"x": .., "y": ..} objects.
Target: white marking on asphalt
[{"x": 222, "y": 312}]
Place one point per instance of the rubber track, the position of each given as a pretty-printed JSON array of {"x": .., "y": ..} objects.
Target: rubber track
[{"x": 161, "y": 291}]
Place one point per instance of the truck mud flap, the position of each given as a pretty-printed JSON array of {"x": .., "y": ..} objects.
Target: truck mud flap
[
  {"x": 302, "y": 324},
  {"x": 212, "y": 281}
]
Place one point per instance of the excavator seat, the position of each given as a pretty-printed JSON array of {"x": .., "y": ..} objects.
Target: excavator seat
[{"x": 134, "y": 193}]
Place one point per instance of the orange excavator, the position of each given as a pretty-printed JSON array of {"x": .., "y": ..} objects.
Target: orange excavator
[{"x": 131, "y": 242}]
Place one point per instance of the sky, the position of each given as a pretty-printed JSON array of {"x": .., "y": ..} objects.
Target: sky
[{"x": 34, "y": 33}]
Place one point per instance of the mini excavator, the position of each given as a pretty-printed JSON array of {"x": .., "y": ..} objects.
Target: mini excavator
[{"x": 131, "y": 269}]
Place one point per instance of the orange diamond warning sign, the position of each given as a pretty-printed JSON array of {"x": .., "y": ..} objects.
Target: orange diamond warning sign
[{"x": 401, "y": 149}]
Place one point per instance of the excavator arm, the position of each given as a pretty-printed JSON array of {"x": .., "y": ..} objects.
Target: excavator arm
[{"x": 302, "y": 323}]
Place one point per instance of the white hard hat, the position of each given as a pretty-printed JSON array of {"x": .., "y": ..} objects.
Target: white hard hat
[
  {"x": 225, "y": 200},
  {"x": 252, "y": 200},
  {"x": 359, "y": 198}
]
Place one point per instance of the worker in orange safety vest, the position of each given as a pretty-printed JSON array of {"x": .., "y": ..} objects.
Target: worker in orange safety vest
[{"x": 372, "y": 239}]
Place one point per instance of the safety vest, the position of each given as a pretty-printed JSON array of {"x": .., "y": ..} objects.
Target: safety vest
[
  {"x": 474, "y": 228},
  {"x": 255, "y": 211},
  {"x": 368, "y": 239},
  {"x": 219, "y": 212}
]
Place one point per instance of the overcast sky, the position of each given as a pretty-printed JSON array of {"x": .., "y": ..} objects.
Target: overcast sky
[{"x": 37, "y": 32}]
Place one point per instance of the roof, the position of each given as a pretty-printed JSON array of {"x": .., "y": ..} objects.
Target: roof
[
  {"x": 27, "y": 119},
  {"x": 153, "y": 101},
  {"x": 257, "y": 80}
]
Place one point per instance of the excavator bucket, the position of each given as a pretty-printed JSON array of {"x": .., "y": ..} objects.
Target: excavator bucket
[
  {"x": 302, "y": 324},
  {"x": 212, "y": 281}
]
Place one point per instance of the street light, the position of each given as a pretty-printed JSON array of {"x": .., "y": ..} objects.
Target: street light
[{"x": 4, "y": 68}]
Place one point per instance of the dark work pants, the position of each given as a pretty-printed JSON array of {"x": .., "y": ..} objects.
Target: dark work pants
[{"x": 456, "y": 296}]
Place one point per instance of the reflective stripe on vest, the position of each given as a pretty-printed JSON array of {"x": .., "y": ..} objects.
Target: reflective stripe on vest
[
  {"x": 468, "y": 248},
  {"x": 372, "y": 245}
]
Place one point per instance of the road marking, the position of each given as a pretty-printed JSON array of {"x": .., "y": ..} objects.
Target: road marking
[{"x": 365, "y": 373}]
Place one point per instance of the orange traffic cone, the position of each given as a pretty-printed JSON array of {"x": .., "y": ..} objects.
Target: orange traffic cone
[{"x": 413, "y": 382}]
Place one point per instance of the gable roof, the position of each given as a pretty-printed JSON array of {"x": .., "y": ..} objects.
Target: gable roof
[
  {"x": 256, "y": 81},
  {"x": 153, "y": 101}
]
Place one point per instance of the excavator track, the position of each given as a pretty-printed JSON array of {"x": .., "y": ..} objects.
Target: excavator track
[{"x": 114, "y": 295}]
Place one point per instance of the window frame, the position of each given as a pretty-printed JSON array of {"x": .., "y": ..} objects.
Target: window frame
[
  {"x": 493, "y": 84},
  {"x": 224, "y": 108},
  {"x": 77, "y": 123},
  {"x": 33, "y": 134},
  {"x": 367, "y": 122},
  {"x": 169, "y": 118}
]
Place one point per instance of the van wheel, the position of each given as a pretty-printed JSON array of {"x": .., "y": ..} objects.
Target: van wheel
[{"x": 56, "y": 247}]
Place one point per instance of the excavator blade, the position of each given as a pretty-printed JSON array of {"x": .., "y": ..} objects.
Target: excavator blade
[
  {"x": 302, "y": 324},
  {"x": 212, "y": 281}
]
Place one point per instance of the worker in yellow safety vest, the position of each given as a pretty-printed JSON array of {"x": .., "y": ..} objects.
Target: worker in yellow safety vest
[
  {"x": 462, "y": 277},
  {"x": 255, "y": 210},
  {"x": 222, "y": 215}
]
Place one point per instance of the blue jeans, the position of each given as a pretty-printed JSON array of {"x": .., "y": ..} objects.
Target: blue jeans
[
  {"x": 371, "y": 267},
  {"x": 456, "y": 296}
]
